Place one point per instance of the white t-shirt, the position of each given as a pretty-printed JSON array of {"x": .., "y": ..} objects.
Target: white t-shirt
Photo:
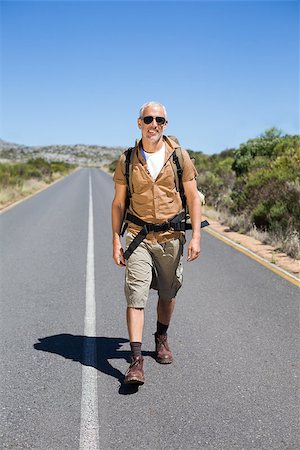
[{"x": 155, "y": 161}]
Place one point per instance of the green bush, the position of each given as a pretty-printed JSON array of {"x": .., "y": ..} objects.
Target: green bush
[
  {"x": 269, "y": 191},
  {"x": 263, "y": 146},
  {"x": 43, "y": 166},
  {"x": 60, "y": 166},
  {"x": 14, "y": 174}
]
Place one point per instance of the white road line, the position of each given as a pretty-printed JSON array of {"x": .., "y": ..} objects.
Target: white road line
[{"x": 89, "y": 428}]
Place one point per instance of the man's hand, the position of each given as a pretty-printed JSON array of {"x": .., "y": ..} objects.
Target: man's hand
[
  {"x": 193, "y": 249},
  {"x": 118, "y": 254}
]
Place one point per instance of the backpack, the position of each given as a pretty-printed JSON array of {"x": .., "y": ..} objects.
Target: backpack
[{"x": 177, "y": 166}]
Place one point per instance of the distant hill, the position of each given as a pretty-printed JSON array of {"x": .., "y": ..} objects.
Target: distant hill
[
  {"x": 79, "y": 154},
  {"x": 8, "y": 145}
]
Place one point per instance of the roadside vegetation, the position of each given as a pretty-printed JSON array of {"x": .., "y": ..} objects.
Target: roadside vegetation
[
  {"x": 21, "y": 179},
  {"x": 255, "y": 189}
]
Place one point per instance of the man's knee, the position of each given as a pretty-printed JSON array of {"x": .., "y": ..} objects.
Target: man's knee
[{"x": 166, "y": 300}]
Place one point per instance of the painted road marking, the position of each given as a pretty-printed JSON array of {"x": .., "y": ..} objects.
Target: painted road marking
[
  {"x": 89, "y": 428},
  {"x": 278, "y": 270}
]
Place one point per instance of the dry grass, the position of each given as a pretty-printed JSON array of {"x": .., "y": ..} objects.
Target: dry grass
[
  {"x": 211, "y": 213},
  {"x": 12, "y": 194},
  {"x": 288, "y": 243},
  {"x": 291, "y": 245}
]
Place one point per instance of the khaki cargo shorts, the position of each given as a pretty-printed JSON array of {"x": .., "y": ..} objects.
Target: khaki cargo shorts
[{"x": 156, "y": 266}]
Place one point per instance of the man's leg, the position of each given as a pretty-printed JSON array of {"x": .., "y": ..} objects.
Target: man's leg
[
  {"x": 165, "y": 310},
  {"x": 138, "y": 277},
  {"x": 135, "y": 325},
  {"x": 168, "y": 265}
]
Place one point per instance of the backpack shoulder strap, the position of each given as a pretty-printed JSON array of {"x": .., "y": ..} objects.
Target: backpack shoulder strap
[
  {"x": 176, "y": 161},
  {"x": 128, "y": 175},
  {"x": 177, "y": 166},
  {"x": 128, "y": 169}
]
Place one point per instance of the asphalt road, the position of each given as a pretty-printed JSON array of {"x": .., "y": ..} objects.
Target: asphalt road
[{"x": 234, "y": 382}]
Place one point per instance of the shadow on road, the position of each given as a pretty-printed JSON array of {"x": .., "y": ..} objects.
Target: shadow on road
[{"x": 72, "y": 347}]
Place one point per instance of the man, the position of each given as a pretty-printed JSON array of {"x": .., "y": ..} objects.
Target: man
[{"x": 157, "y": 260}]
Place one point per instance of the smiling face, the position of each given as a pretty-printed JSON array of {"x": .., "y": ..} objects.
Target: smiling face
[{"x": 153, "y": 131}]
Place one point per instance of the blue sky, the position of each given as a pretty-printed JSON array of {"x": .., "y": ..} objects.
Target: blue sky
[{"x": 78, "y": 71}]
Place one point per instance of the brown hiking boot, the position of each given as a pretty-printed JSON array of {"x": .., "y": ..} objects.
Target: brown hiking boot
[
  {"x": 135, "y": 372},
  {"x": 162, "y": 349}
]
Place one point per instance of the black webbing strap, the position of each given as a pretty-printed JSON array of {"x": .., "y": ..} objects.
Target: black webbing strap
[
  {"x": 124, "y": 228},
  {"x": 127, "y": 169},
  {"x": 179, "y": 175},
  {"x": 136, "y": 242},
  {"x": 188, "y": 226},
  {"x": 153, "y": 226},
  {"x": 128, "y": 161},
  {"x": 177, "y": 223}
]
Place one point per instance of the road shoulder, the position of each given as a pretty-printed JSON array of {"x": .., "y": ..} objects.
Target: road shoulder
[{"x": 267, "y": 252}]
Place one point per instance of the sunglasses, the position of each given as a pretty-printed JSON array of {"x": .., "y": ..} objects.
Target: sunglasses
[{"x": 149, "y": 119}]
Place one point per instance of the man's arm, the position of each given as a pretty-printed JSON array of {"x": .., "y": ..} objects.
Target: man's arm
[
  {"x": 194, "y": 204},
  {"x": 117, "y": 215}
]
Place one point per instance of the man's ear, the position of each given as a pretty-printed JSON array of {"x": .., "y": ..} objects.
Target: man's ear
[{"x": 139, "y": 123}]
